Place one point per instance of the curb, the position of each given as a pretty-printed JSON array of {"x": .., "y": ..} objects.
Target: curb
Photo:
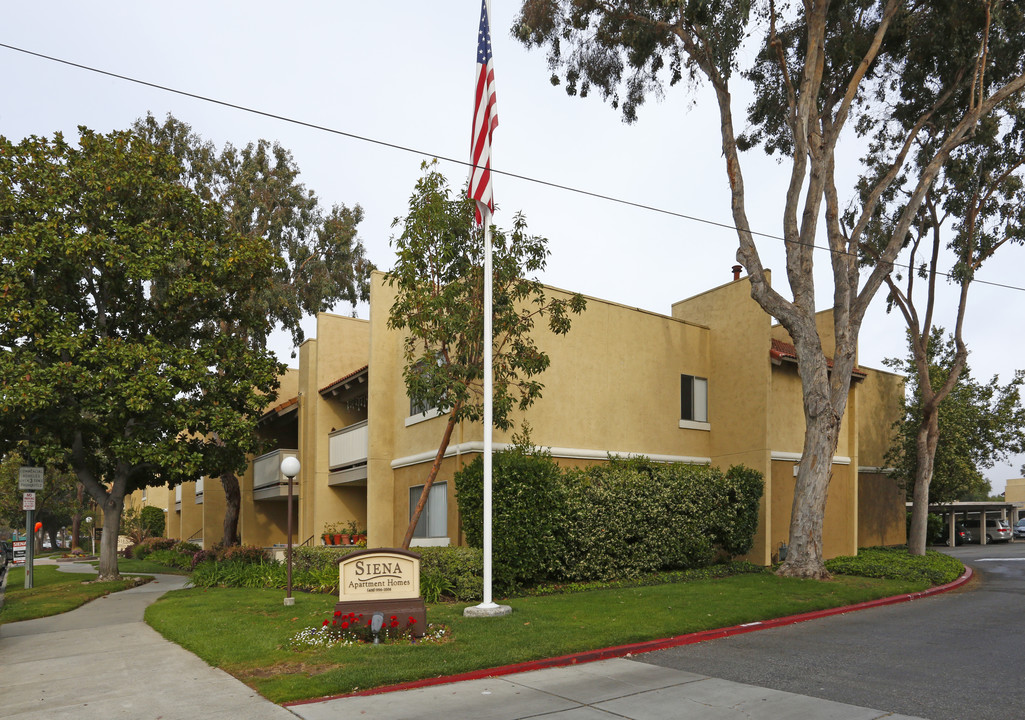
[{"x": 646, "y": 646}]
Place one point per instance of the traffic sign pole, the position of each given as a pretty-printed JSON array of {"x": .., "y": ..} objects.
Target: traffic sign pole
[{"x": 30, "y": 546}]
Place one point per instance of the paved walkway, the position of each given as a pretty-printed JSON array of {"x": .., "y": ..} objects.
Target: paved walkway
[{"x": 102, "y": 661}]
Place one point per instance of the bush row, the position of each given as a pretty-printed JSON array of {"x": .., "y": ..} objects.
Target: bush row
[
  {"x": 894, "y": 563},
  {"x": 621, "y": 519}
]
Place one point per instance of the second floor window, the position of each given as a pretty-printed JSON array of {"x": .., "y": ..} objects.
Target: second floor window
[{"x": 693, "y": 398}]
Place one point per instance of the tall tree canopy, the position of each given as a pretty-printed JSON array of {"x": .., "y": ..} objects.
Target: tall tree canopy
[
  {"x": 972, "y": 209},
  {"x": 979, "y": 424},
  {"x": 439, "y": 303},
  {"x": 115, "y": 282},
  {"x": 323, "y": 261},
  {"x": 905, "y": 77}
]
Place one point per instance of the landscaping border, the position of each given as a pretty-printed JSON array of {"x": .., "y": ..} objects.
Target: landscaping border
[{"x": 646, "y": 646}]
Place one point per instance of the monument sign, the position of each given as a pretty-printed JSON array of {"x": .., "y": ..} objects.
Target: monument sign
[{"x": 382, "y": 580}]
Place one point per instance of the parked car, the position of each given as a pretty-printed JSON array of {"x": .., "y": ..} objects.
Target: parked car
[
  {"x": 997, "y": 530},
  {"x": 6, "y": 554},
  {"x": 1019, "y": 530},
  {"x": 962, "y": 535}
]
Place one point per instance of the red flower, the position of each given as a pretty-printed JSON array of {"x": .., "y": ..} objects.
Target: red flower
[
  {"x": 344, "y": 625},
  {"x": 412, "y": 620},
  {"x": 326, "y": 622},
  {"x": 394, "y": 618},
  {"x": 394, "y": 623},
  {"x": 334, "y": 622},
  {"x": 338, "y": 613}
]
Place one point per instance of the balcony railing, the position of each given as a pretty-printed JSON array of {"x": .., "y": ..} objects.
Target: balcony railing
[
  {"x": 268, "y": 481},
  {"x": 348, "y": 446}
]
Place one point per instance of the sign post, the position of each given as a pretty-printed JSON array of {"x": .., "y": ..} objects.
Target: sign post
[{"x": 30, "y": 479}]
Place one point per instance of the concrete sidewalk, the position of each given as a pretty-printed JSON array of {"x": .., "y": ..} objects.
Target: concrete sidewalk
[
  {"x": 103, "y": 661},
  {"x": 603, "y": 690}
]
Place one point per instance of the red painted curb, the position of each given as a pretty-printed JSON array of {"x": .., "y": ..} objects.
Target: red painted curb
[{"x": 643, "y": 647}]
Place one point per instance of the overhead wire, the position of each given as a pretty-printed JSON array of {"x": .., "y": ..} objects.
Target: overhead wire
[{"x": 467, "y": 164}]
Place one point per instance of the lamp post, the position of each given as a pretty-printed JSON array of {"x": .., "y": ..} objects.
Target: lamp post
[
  {"x": 92, "y": 533},
  {"x": 289, "y": 468}
]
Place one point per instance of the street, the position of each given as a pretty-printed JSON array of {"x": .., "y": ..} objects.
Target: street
[{"x": 955, "y": 655}]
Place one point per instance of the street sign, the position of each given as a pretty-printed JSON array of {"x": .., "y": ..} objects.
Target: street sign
[
  {"x": 19, "y": 552},
  {"x": 30, "y": 478},
  {"x": 28, "y": 501}
]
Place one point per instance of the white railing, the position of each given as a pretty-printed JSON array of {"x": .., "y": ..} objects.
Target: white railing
[
  {"x": 267, "y": 468},
  {"x": 348, "y": 446}
]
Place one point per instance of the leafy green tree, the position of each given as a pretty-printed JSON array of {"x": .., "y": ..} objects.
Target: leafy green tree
[
  {"x": 115, "y": 281},
  {"x": 977, "y": 425},
  {"x": 56, "y": 505},
  {"x": 912, "y": 77},
  {"x": 439, "y": 303},
  {"x": 323, "y": 261}
]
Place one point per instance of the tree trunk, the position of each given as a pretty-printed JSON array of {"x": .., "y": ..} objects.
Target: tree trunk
[
  {"x": 925, "y": 453},
  {"x": 431, "y": 476},
  {"x": 804, "y": 555},
  {"x": 76, "y": 519},
  {"x": 112, "y": 509},
  {"x": 232, "y": 505}
]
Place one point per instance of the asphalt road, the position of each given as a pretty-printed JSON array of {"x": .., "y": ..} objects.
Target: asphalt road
[{"x": 947, "y": 657}]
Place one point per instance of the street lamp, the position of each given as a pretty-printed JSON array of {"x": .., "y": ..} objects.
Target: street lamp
[
  {"x": 92, "y": 533},
  {"x": 289, "y": 468}
]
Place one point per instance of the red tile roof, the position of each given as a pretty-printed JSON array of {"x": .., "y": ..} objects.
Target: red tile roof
[
  {"x": 332, "y": 386},
  {"x": 780, "y": 351}
]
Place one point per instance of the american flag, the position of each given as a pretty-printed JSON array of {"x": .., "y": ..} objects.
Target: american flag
[{"x": 485, "y": 120}]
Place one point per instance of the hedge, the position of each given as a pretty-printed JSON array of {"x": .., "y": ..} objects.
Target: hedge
[{"x": 621, "y": 519}]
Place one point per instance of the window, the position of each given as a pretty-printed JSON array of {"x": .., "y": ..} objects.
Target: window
[
  {"x": 693, "y": 399},
  {"x": 433, "y": 522},
  {"x": 419, "y": 406}
]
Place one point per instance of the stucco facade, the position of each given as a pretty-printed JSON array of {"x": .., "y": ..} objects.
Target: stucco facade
[{"x": 615, "y": 385}]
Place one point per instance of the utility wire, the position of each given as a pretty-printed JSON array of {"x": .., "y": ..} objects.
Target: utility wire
[{"x": 405, "y": 148}]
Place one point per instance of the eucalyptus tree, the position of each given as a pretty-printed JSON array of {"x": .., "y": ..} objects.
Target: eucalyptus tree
[
  {"x": 902, "y": 76},
  {"x": 321, "y": 260},
  {"x": 439, "y": 304},
  {"x": 977, "y": 425},
  {"x": 115, "y": 280},
  {"x": 973, "y": 209}
]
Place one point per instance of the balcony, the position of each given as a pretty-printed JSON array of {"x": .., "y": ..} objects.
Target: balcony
[
  {"x": 347, "y": 455},
  {"x": 268, "y": 482}
]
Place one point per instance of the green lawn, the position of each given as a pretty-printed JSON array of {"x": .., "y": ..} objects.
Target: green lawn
[
  {"x": 53, "y": 592},
  {"x": 210, "y": 623}
]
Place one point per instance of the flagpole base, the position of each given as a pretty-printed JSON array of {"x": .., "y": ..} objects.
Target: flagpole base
[{"x": 487, "y": 610}]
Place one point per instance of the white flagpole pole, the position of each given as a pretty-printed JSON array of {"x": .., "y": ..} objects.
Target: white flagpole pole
[{"x": 488, "y": 380}]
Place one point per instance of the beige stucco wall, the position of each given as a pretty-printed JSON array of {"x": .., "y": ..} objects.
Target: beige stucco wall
[
  {"x": 341, "y": 347},
  {"x": 1015, "y": 491}
]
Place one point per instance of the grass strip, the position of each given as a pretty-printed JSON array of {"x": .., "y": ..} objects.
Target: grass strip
[
  {"x": 247, "y": 632},
  {"x": 53, "y": 592}
]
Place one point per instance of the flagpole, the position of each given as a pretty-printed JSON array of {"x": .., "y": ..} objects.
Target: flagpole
[
  {"x": 488, "y": 423},
  {"x": 485, "y": 120}
]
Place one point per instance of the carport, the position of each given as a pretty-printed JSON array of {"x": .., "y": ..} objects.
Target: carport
[{"x": 974, "y": 514}]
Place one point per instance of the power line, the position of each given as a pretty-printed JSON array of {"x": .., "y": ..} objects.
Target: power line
[{"x": 495, "y": 171}]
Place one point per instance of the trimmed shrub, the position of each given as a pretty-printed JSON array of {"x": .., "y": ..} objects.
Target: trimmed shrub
[
  {"x": 456, "y": 572},
  {"x": 621, "y": 519},
  {"x": 151, "y": 521},
  {"x": 529, "y": 502},
  {"x": 895, "y": 563},
  {"x": 142, "y": 549},
  {"x": 170, "y": 558},
  {"x": 242, "y": 554}
]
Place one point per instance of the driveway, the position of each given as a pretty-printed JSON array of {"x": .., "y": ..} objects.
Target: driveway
[{"x": 946, "y": 657}]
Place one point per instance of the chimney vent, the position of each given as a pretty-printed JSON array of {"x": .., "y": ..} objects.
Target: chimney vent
[{"x": 736, "y": 271}]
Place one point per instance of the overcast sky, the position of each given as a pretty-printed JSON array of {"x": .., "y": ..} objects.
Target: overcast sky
[{"x": 402, "y": 73}]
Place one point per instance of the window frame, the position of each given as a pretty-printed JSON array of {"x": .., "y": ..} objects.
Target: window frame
[{"x": 694, "y": 402}]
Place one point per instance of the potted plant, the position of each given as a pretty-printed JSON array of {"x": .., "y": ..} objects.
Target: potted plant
[
  {"x": 354, "y": 532},
  {"x": 329, "y": 531}
]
